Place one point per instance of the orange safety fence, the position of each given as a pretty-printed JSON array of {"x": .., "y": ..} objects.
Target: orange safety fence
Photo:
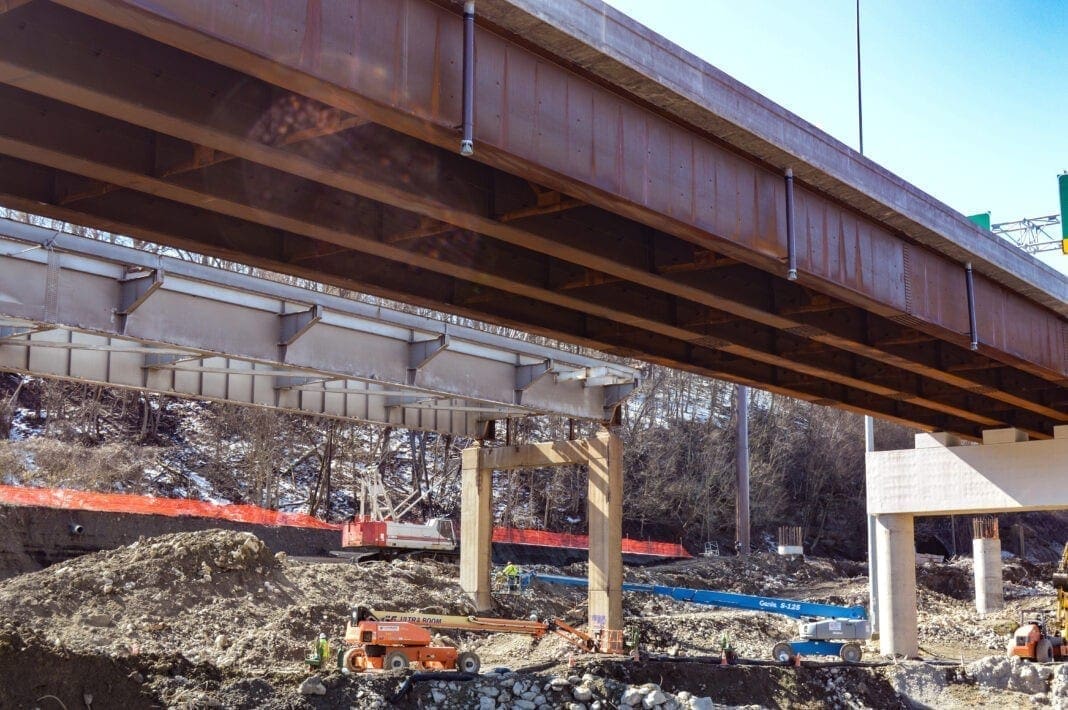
[
  {"x": 68, "y": 499},
  {"x": 148, "y": 505},
  {"x": 544, "y": 538}
]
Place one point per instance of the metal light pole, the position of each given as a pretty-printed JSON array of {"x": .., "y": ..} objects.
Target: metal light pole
[
  {"x": 860, "y": 103},
  {"x": 869, "y": 423}
]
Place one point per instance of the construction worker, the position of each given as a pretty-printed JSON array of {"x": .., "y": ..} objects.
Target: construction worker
[
  {"x": 727, "y": 654},
  {"x": 320, "y": 652},
  {"x": 511, "y": 575}
]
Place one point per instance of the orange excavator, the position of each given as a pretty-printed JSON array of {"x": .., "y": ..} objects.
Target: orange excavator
[
  {"x": 395, "y": 640},
  {"x": 1032, "y": 640}
]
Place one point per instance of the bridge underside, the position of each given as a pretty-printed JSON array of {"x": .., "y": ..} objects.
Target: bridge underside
[
  {"x": 86, "y": 310},
  {"x": 302, "y": 139}
]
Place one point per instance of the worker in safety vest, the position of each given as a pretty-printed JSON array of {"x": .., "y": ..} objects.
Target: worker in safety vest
[
  {"x": 511, "y": 575},
  {"x": 727, "y": 654},
  {"x": 320, "y": 652}
]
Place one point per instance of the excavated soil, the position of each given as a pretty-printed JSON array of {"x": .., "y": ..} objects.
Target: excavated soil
[{"x": 216, "y": 619}]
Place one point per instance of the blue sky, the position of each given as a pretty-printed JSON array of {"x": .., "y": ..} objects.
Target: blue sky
[{"x": 967, "y": 99}]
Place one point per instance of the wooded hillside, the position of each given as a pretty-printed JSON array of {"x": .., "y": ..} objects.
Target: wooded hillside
[{"x": 678, "y": 430}]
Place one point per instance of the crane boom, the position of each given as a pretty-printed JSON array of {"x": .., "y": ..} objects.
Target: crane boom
[{"x": 464, "y": 623}]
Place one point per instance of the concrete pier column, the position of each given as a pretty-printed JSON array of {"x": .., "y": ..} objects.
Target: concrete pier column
[
  {"x": 989, "y": 589},
  {"x": 605, "y": 514},
  {"x": 895, "y": 546},
  {"x": 476, "y": 525}
]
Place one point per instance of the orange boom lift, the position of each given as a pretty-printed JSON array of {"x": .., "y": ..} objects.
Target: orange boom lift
[{"x": 394, "y": 640}]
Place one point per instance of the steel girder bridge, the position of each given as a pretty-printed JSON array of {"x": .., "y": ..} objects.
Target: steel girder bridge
[
  {"x": 87, "y": 310},
  {"x": 622, "y": 194}
]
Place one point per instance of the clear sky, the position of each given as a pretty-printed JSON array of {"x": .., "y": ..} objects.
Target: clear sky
[{"x": 966, "y": 99}]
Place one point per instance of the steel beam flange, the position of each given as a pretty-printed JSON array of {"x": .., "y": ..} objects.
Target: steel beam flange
[{"x": 613, "y": 399}]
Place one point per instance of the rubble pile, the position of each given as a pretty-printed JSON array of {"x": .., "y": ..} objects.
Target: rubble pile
[{"x": 505, "y": 691}]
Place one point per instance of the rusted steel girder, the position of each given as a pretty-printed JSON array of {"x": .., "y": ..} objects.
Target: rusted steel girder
[
  {"x": 618, "y": 277},
  {"x": 154, "y": 219},
  {"x": 536, "y": 119},
  {"x": 37, "y": 129}
]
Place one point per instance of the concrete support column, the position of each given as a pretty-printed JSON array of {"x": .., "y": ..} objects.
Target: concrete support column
[
  {"x": 895, "y": 544},
  {"x": 989, "y": 589},
  {"x": 476, "y": 525},
  {"x": 605, "y": 514}
]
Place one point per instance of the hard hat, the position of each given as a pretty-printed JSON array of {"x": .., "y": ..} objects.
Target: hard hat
[{"x": 322, "y": 636}]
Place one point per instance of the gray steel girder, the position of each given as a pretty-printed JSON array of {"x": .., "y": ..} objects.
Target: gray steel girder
[{"x": 82, "y": 309}]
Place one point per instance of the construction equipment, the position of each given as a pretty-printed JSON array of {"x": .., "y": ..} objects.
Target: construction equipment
[
  {"x": 376, "y": 532},
  {"x": 823, "y": 629},
  {"x": 394, "y": 640},
  {"x": 367, "y": 537},
  {"x": 1031, "y": 639}
]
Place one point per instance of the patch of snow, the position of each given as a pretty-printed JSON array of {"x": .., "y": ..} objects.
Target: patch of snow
[
  {"x": 204, "y": 489},
  {"x": 21, "y": 429}
]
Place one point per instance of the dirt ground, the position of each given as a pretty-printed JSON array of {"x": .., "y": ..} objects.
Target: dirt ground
[{"x": 216, "y": 619}]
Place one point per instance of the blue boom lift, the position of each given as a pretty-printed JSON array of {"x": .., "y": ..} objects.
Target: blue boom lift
[{"x": 823, "y": 629}]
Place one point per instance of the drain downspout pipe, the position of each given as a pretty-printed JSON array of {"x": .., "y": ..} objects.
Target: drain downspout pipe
[
  {"x": 791, "y": 245},
  {"x": 971, "y": 305},
  {"x": 467, "y": 143}
]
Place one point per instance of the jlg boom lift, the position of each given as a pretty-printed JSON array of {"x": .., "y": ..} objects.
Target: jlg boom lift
[{"x": 394, "y": 640}]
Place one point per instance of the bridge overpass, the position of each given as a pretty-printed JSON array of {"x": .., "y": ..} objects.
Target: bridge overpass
[
  {"x": 622, "y": 194},
  {"x": 615, "y": 192}
]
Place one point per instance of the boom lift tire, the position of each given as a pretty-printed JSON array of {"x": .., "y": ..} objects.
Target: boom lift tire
[
  {"x": 850, "y": 653},
  {"x": 1043, "y": 651},
  {"x": 348, "y": 660},
  {"x": 468, "y": 662},
  {"x": 395, "y": 661},
  {"x": 782, "y": 652}
]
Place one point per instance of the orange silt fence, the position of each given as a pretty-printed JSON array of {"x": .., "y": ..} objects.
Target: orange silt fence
[
  {"x": 544, "y": 538},
  {"x": 67, "y": 499}
]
